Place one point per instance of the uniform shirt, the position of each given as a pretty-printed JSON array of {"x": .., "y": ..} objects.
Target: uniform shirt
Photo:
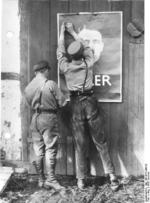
[
  {"x": 75, "y": 71},
  {"x": 51, "y": 96}
]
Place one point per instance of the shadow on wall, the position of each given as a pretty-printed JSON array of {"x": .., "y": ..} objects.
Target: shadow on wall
[
  {"x": 129, "y": 154},
  {"x": 125, "y": 149}
]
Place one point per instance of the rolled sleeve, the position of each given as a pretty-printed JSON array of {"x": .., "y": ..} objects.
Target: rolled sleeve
[{"x": 62, "y": 59}]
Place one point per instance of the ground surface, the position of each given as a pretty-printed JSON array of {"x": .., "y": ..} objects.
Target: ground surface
[{"x": 97, "y": 191}]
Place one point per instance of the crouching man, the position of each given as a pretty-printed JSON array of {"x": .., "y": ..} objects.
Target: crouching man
[{"x": 44, "y": 98}]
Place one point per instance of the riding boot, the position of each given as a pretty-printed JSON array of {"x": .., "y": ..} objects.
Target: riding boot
[
  {"x": 51, "y": 181},
  {"x": 40, "y": 170}
]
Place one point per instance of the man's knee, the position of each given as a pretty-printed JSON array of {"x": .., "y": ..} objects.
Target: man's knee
[
  {"x": 39, "y": 148},
  {"x": 40, "y": 152},
  {"x": 97, "y": 129},
  {"x": 96, "y": 122}
]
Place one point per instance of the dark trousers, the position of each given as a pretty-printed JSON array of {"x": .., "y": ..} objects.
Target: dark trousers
[{"x": 85, "y": 109}]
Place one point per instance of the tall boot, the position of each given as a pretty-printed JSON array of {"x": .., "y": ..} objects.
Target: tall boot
[
  {"x": 51, "y": 181},
  {"x": 39, "y": 165}
]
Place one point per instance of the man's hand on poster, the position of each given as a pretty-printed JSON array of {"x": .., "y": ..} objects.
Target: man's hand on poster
[{"x": 70, "y": 28}]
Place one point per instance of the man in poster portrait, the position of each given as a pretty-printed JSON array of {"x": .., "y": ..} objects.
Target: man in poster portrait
[{"x": 93, "y": 39}]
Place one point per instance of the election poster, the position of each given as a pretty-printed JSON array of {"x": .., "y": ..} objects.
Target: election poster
[{"x": 102, "y": 32}]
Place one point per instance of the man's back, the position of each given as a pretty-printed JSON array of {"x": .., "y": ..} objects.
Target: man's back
[
  {"x": 76, "y": 74},
  {"x": 42, "y": 93}
]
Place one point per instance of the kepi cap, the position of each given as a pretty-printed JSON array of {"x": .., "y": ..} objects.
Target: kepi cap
[
  {"x": 75, "y": 48},
  {"x": 41, "y": 65}
]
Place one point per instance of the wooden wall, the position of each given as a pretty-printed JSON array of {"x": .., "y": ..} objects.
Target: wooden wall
[{"x": 123, "y": 121}]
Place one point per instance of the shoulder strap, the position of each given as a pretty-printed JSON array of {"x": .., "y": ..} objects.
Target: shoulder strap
[
  {"x": 85, "y": 75},
  {"x": 54, "y": 98},
  {"x": 36, "y": 101},
  {"x": 41, "y": 90}
]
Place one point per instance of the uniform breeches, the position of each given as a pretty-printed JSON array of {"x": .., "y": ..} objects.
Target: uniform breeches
[{"x": 44, "y": 128}]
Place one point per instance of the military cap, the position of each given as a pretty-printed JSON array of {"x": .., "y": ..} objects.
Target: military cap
[
  {"x": 75, "y": 48},
  {"x": 41, "y": 65}
]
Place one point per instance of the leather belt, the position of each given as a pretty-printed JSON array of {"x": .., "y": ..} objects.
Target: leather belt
[
  {"x": 80, "y": 93},
  {"x": 54, "y": 111}
]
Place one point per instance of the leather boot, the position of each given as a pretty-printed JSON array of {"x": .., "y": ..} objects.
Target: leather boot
[
  {"x": 53, "y": 184},
  {"x": 51, "y": 181},
  {"x": 114, "y": 183},
  {"x": 39, "y": 165}
]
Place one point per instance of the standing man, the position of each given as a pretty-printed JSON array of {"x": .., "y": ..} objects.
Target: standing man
[
  {"x": 44, "y": 98},
  {"x": 79, "y": 79}
]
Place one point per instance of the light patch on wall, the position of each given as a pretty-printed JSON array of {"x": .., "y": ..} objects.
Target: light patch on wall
[
  {"x": 10, "y": 37},
  {"x": 139, "y": 156},
  {"x": 9, "y": 34},
  {"x": 93, "y": 169},
  {"x": 7, "y": 135},
  {"x": 122, "y": 167},
  {"x": 10, "y": 139},
  {"x": 70, "y": 160}
]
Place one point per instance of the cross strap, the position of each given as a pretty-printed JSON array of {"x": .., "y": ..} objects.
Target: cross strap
[{"x": 85, "y": 76}]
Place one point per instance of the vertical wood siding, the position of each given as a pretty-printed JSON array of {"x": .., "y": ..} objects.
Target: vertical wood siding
[{"x": 123, "y": 121}]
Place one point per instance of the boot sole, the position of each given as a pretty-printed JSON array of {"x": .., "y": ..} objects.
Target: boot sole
[{"x": 52, "y": 187}]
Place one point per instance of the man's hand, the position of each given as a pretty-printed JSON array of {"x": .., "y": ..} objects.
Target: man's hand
[{"x": 69, "y": 28}]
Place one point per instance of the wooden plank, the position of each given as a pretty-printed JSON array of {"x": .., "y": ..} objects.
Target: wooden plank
[
  {"x": 140, "y": 122},
  {"x": 61, "y": 167},
  {"x": 98, "y": 6},
  {"x": 70, "y": 156},
  {"x": 64, "y": 126},
  {"x": 5, "y": 174},
  {"x": 78, "y": 6},
  {"x": 138, "y": 10},
  {"x": 127, "y": 0},
  {"x": 62, "y": 6},
  {"x": 141, "y": 85},
  {"x": 135, "y": 123},
  {"x": 10, "y": 76},
  {"x": 138, "y": 15},
  {"x": 20, "y": 164},
  {"x": 39, "y": 44},
  {"x": 53, "y": 36},
  {"x": 119, "y": 112},
  {"x": 131, "y": 110},
  {"x": 24, "y": 72}
]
